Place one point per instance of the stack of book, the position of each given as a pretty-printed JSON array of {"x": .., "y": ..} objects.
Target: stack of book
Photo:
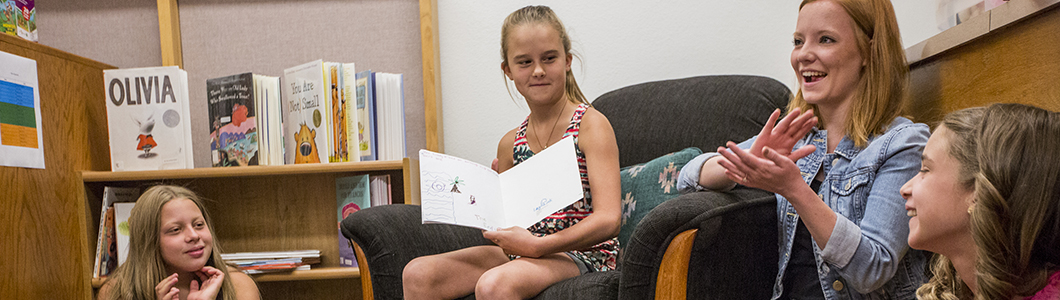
[{"x": 275, "y": 261}]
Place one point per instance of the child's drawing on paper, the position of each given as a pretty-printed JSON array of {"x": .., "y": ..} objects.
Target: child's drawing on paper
[{"x": 436, "y": 200}]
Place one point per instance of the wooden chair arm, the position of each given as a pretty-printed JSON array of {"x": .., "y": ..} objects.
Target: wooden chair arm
[
  {"x": 672, "y": 281},
  {"x": 366, "y": 276}
]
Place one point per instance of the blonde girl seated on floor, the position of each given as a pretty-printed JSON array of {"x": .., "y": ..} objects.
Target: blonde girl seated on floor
[{"x": 173, "y": 255}]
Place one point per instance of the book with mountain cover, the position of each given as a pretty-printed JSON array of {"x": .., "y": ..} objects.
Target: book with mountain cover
[{"x": 148, "y": 118}]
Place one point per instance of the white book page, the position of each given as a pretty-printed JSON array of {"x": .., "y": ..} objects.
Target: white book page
[
  {"x": 457, "y": 191},
  {"x": 541, "y": 185}
]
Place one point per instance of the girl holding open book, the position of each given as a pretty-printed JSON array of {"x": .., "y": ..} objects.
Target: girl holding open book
[
  {"x": 172, "y": 254},
  {"x": 536, "y": 56}
]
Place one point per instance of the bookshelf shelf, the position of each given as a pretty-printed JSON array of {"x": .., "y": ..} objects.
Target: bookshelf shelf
[
  {"x": 313, "y": 274},
  {"x": 249, "y": 171}
]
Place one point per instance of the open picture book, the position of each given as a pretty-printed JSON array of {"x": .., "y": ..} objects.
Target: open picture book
[{"x": 458, "y": 191}]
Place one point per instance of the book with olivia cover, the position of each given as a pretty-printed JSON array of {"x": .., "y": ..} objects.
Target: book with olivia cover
[
  {"x": 461, "y": 192},
  {"x": 148, "y": 118},
  {"x": 306, "y": 109},
  {"x": 352, "y": 194}
]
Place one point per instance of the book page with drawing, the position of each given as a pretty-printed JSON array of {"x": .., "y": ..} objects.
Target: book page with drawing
[{"x": 457, "y": 191}]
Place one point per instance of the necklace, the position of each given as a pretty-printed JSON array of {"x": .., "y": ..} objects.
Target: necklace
[{"x": 541, "y": 146}]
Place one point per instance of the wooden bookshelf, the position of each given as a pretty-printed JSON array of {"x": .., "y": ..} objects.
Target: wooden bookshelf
[{"x": 266, "y": 208}]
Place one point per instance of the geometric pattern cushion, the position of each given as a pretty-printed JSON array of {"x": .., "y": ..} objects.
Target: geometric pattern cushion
[{"x": 648, "y": 184}]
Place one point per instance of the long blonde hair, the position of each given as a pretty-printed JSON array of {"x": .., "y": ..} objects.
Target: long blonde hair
[
  {"x": 541, "y": 14},
  {"x": 145, "y": 268},
  {"x": 882, "y": 89},
  {"x": 1015, "y": 219}
]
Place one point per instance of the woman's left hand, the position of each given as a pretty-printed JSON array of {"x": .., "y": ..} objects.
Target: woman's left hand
[
  {"x": 515, "y": 241},
  {"x": 774, "y": 172},
  {"x": 211, "y": 284}
]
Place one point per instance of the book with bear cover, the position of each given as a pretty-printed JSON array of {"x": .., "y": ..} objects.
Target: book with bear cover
[
  {"x": 307, "y": 136},
  {"x": 148, "y": 118}
]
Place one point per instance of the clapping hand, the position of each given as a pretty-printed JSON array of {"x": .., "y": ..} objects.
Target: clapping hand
[
  {"x": 770, "y": 163},
  {"x": 782, "y": 137}
]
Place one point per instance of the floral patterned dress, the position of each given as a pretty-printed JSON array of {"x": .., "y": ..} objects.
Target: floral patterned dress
[{"x": 601, "y": 257}]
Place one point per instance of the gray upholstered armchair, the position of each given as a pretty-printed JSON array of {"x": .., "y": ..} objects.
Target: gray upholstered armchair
[{"x": 650, "y": 120}]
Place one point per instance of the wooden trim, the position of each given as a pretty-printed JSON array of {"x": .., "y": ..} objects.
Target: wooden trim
[
  {"x": 37, "y": 47},
  {"x": 977, "y": 27},
  {"x": 366, "y": 276},
  {"x": 672, "y": 281},
  {"x": 362, "y": 166},
  {"x": 169, "y": 33},
  {"x": 432, "y": 86}
]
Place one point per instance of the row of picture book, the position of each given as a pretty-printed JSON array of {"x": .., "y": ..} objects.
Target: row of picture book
[
  {"x": 322, "y": 112},
  {"x": 352, "y": 193}
]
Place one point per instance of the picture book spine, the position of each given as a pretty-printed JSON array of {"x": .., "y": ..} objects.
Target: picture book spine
[
  {"x": 349, "y": 92},
  {"x": 337, "y": 112},
  {"x": 366, "y": 118}
]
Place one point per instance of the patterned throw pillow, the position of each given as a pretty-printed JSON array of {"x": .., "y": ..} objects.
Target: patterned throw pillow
[{"x": 648, "y": 184}]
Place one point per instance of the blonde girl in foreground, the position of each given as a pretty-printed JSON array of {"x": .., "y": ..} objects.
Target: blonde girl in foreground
[{"x": 173, "y": 255}]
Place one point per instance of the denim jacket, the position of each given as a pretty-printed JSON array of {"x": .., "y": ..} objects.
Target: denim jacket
[{"x": 867, "y": 256}]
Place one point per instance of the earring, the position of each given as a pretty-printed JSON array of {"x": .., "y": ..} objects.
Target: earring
[{"x": 970, "y": 208}]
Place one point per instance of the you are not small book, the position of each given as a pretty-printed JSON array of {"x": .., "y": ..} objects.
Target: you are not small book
[{"x": 461, "y": 192}]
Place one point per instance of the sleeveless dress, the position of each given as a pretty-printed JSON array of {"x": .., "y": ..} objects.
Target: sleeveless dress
[{"x": 601, "y": 257}]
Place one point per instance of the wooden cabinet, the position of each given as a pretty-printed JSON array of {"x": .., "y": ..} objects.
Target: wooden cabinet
[{"x": 270, "y": 208}]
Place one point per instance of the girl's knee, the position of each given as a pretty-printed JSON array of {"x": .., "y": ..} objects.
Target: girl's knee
[
  {"x": 418, "y": 272},
  {"x": 494, "y": 284}
]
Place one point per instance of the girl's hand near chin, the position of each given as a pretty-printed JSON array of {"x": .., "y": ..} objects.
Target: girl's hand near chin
[
  {"x": 166, "y": 290},
  {"x": 211, "y": 284}
]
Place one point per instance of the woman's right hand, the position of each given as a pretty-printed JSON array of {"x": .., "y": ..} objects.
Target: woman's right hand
[
  {"x": 782, "y": 137},
  {"x": 166, "y": 290}
]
